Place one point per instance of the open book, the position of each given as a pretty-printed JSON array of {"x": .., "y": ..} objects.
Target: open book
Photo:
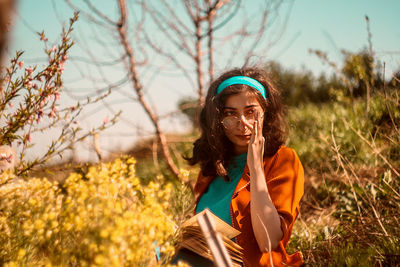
[{"x": 194, "y": 240}]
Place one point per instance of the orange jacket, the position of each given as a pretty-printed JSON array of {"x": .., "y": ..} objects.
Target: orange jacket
[{"x": 285, "y": 181}]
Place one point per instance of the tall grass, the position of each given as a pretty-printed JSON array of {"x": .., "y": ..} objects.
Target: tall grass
[{"x": 351, "y": 208}]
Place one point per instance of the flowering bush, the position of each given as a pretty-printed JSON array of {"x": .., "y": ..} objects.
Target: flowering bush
[
  {"x": 29, "y": 103},
  {"x": 106, "y": 217}
]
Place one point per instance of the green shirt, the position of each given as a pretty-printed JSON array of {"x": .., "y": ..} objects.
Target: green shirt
[{"x": 219, "y": 193}]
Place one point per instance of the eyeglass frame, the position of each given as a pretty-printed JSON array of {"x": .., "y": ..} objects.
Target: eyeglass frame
[{"x": 239, "y": 118}]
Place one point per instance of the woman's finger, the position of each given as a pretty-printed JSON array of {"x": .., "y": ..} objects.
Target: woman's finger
[
  {"x": 255, "y": 129},
  {"x": 260, "y": 123},
  {"x": 253, "y": 136},
  {"x": 262, "y": 149},
  {"x": 259, "y": 128},
  {"x": 248, "y": 125}
]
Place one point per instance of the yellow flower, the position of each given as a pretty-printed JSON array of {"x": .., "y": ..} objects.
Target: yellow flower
[
  {"x": 104, "y": 233},
  {"x": 21, "y": 253},
  {"x": 99, "y": 259},
  {"x": 39, "y": 224},
  {"x": 108, "y": 219}
]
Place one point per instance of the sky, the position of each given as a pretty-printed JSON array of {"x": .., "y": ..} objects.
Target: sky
[
  {"x": 334, "y": 25},
  {"x": 329, "y": 26}
]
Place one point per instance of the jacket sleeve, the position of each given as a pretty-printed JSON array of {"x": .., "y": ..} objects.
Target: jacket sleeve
[{"x": 285, "y": 182}]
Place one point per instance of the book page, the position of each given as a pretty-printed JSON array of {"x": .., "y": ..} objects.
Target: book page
[
  {"x": 194, "y": 240},
  {"x": 222, "y": 227}
]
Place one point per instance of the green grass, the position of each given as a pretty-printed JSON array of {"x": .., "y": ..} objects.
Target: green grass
[{"x": 351, "y": 208}]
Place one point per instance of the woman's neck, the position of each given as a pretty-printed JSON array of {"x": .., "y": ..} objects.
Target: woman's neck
[{"x": 240, "y": 150}]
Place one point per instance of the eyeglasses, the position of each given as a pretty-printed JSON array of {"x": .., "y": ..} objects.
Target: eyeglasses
[{"x": 232, "y": 121}]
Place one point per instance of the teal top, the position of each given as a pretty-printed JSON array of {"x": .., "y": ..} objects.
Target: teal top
[{"x": 219, "y": 194}]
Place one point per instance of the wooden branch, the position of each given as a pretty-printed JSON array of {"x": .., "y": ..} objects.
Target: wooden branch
[
  {"x": 171, "y": 57},
  {"x": 139, "y": 90},
  {"x": 210, "y": 21},
  {"x": 172, "y": 13},
  {"x": 160, "y": 20},
  {"x": 230, "y": 16},
  {"x": 212, "y": 12},
  {"x": 189, "y": 10},
  {"x": 199, "y": 67},
  {"x": 98, "y": 13},
  {"x": 259, "y": 35},
  {"x": 87, "y": 15}
]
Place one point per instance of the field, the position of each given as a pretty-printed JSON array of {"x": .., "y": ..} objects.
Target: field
[{"x": 113, "y": 214}]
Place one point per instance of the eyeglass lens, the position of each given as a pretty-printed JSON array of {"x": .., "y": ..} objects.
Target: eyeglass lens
[{"x": 233, "y": 121}]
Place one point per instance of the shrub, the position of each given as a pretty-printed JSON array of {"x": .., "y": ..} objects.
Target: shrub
[
  {"x": 105, "y": 217},
  {"x": 29, "y": 104}
]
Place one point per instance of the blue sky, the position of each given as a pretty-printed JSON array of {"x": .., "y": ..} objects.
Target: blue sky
[
  {"x": 313, "y": 24},
  {"x": 334, "y": 25},
  {"x": 317, "y": 24}
]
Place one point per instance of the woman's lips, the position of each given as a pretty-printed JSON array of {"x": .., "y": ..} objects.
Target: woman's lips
[{"x": 244, "y": 137}]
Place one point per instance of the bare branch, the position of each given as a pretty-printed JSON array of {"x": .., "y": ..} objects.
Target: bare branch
[
  {"x": 98, "y": 13},
  {"x": 112, "y": 62},
  {"x": 87, "y": 15},
  {"x": 171, "y": 57},
  {"x": 182, "y": 44},
  {"x": 138, "y": 87}
]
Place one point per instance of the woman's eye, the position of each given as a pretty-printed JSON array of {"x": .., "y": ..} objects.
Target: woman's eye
[
  {"x": 250, "y": 111},
  {"x": 229, "y": 113}
]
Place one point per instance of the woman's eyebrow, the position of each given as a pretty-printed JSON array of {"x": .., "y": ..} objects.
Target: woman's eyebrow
[
  {"x": 248, "y": 106},
  {"x": 251, "y": 106}
]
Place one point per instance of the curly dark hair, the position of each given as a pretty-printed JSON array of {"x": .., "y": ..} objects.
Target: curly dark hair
[{"x": 213, "y": 150}]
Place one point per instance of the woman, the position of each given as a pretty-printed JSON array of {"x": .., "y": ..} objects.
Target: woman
[{"x": 248, "y": 177}]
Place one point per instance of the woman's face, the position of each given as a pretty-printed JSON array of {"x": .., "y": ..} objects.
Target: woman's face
[{"x": 238, "y": 109}]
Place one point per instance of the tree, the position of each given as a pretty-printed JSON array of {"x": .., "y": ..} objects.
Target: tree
[
  {"x": 154, "y": 38},
  {"x": 302, "y": 86}
]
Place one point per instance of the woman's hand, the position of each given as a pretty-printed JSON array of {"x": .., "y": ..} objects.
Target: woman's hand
[
  {"x": 255, "y": 151},
  {"x": 264, "y": 216}
]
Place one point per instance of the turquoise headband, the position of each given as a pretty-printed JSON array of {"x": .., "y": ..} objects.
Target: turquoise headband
[{"x": 242, "y": 80}]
